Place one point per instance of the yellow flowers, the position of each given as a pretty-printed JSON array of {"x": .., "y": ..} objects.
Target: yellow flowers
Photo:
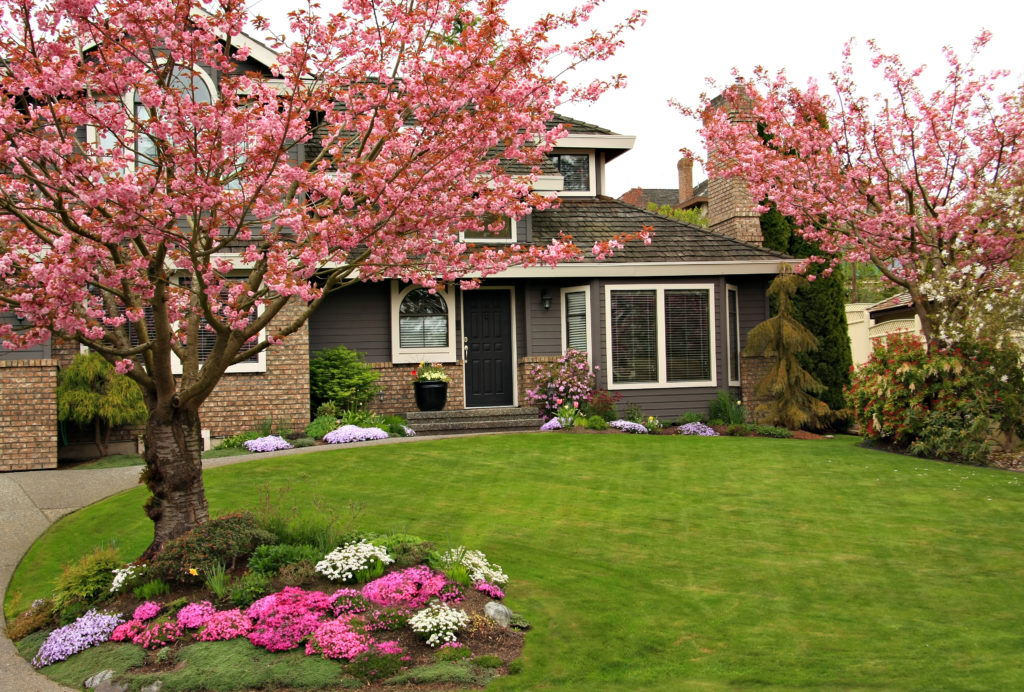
[{"x": 193, "y": 571}]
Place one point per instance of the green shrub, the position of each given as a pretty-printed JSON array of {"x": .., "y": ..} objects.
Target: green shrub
[
  {"x": 340, "y": 376},
  {"x": 249, "y": 588},
  {"x": 85, "y": 581},
  {"x": 224, "y": 539},
  {"x": 407, "y": 550},
  {"x": 446, "y": 673},
  {"x": 635, "y": 413},
  {"x": 738, "y": 430},
  {"x": 328, "y": 408},
  {"x": 303, "y": 442},
  {"x": 151, "y": 589},
  {"x": 360, "y": 417},
  {"x": 602, "y": 403},
  {"x": 269, "y": 559},
  {"x": 370, "y": 666},
  {"x": 389, "y": 619},
  {"x": 393, "y": 425},
  {"x": 320, "y": 426},
  {"x": 298, "y": 574},
  {"x": 518, "y": 622},
  {"x": 945, "y": 404},
  {"x": 453, "y": 653},
  {"x": 91, "y": 392},
  {"x": 238, "y": 441},
  {"x": 488, "y": 661},
  {"x": 595, "y": 422},
  {"x": 723, "y": 410},
  {"x": 770, "y": 431},
  {"x": 690, "y": 417}
]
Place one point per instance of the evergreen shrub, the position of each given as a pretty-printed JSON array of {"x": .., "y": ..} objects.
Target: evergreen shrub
[{"x": 340, "y": 376}]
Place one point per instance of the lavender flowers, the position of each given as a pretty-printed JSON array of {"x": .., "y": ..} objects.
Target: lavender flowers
[
  {"x": 353, "y": 433},
  {"x": 628, "y": 426},
  {"x": 270, "y": 443},
  {"x": 95, "y": 627},
  {"x": 696, "y": 428},
  {"x": 552, "y": 424}
]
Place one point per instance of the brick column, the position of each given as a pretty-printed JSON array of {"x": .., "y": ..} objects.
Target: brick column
[{"x": 28, "y": 414}]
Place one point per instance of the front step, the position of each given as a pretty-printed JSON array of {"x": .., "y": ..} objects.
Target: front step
[{"x": 472, "y": 420}]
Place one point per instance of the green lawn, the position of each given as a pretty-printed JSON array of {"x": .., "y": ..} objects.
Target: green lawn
[{"x": 668, "y": 563}]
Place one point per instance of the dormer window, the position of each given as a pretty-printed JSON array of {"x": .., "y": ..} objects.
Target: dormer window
[
  {"x": 577, "y": 169},
  {"x": 506, "y": 234}
]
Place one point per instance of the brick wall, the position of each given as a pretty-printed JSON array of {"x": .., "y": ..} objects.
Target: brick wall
[
  {"x": 752, "y": 370},
  {"x": 526, "y": 380},
  {"x": 242, "y": 401},
  {"x": 730, "y": 204},
  {"x": 28, "y": 415},
  {"x": 397, "y": 392}
]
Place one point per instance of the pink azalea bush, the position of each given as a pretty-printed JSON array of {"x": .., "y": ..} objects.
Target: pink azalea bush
[
  {"x": 195, "y": 614},
  {"x": 225, "y": 624},
  {"x": 338, "y": 639},
  {"x": 489, "y": 589},
  {"x": 146, "y": 611},
  {"x": 282, "y": 620},
  {"x": 411, "y": 587}
]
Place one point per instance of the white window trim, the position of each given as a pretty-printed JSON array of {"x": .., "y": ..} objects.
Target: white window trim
[
  {"x": 591, "y": 157},
  {"x": 419, "y": 355},
  {"x": 659, "y": 308},
  {"x": 561, "y": 308},
  {"x": 729, "y": 288},
  {"x": 493, "y": 240},
  {"x": 515, "y": 352}
]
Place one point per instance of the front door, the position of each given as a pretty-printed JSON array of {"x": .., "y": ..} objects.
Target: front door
[{"x": 487, "y": 327}]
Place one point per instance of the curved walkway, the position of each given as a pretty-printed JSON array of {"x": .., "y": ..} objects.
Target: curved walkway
[{"x": 32, "y": 500}]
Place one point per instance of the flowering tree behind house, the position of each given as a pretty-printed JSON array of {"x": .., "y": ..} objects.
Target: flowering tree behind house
[
  {"x": 146, "y": 206},
  {"x": 897, "y": 180}
]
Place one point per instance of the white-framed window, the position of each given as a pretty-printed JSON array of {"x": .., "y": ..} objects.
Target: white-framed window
[
  {"x": 505, "y": 236},
  {"x": 575, "y": 304},
  {"x": 578, "y": 169},
  {"x": 732, "y": 304},
  {"x": 660, "y": 335},
  {"x": 422, "y": 324},
  {"x": 207, "y": 339}
]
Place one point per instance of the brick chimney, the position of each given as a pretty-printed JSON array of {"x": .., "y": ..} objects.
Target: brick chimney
[
  {"x": 730, "y": 204},
  {"x": 685, "y": 168}
]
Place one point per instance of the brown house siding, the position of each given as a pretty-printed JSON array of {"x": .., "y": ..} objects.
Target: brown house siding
[{"x": 28, "y": 414}]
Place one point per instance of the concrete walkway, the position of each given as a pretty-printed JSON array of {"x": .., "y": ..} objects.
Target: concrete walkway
[{"x": 32, "y": 500}]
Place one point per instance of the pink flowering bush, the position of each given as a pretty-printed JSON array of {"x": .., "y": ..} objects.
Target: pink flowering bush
[
  {"x": 127, "y": 631},
  {"x": 569, "y": 379},
  {"x": 489, "y": 589},
  {"x": 146, "y": 611},
  {"x": 385, "y": 620},
  {"x": 337, "y": 639},
  {"x": 195, "y": 614},
  {"x": 411, "y": 587},
  {"x": 281, "y": 621},
  {"x": 158, "y": 635},
  {"x": 347, "y": 602},
  {"x": 225, "y": 624}
]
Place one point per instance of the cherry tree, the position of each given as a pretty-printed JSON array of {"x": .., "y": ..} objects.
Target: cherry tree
[
  {"x": 157, "y": 185},
  {"x": 906, "y": 180}
]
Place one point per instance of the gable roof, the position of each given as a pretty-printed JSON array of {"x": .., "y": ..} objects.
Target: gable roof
[
  {"x": 577, "y": 127},
  {"x": 589, "y": 220}
]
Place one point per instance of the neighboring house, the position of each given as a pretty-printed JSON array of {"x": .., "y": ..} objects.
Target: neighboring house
[
  {"x": 664, "y": 324},
  {"x": 869, "y": 323},
  {"x": 685, "y": 196}
]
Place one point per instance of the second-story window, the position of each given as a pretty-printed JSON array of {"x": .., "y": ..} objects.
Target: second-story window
[{"x": 575, "y": 170}]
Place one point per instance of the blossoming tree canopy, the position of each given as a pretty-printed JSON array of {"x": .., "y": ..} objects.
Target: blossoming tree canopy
[
  {"x": 166, "y": 181},
  {"x": 897, "y": 180}
]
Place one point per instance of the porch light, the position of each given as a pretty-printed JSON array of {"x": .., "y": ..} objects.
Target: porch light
[{"x": 545, "y": 299}]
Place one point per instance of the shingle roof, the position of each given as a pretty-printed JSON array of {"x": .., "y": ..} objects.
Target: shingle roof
[
  {"x": 578, "y": 127},
  {"x": 589, "y": 220},
  {"x": 900, "y": 300}
]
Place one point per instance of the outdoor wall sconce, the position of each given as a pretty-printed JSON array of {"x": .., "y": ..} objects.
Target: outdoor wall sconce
[{"x": 545, "y": 299}]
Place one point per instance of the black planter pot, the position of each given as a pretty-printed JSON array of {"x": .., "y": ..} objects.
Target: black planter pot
[{"x": 430, "y": 396}]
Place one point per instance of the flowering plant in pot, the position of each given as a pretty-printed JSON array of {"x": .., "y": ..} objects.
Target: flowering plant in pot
[{"x": 430, "y": 384}]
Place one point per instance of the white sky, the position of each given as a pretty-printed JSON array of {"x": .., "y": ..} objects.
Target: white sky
[{"x": 683, "y": 43}]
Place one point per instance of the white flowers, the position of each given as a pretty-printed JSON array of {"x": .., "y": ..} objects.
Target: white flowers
[
  {"x": 341, "y": 564},
  {"x": 476, "y": 564},
  {"x": 439, "y": 622},
  {"x": 125, "y": 574}
]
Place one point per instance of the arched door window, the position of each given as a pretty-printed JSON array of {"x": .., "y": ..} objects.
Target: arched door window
[{"x": 423, "y": 320}]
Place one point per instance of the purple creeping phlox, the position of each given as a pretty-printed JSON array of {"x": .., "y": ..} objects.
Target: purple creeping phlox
[
  {"x": 628, "y": 426},
  {"x": 270, "y": 443},
  {"x": 95, "y": 627},
  {"x": 146, "y": 611},
  {"x": 353, "y": 433},
  {"x": 225, "y": 624},
  {"x": 195, "y": 614},
  {"x": 411, "y": 587},
  {"x": 696, "y": 428},
  {"x": 552, "y": 424},
  {"x": 281, "y": 621}
]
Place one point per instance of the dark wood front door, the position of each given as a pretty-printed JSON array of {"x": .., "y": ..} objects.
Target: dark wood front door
[{"x": 487, "y": 323}]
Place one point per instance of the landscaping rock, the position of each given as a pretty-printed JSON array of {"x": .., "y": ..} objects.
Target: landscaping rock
[
  {"x": 98, "y": 679},
  {"x": 499, "y": 613},
  {"x": 108, "y": 686},
  {"x": 154, "y": 686}
]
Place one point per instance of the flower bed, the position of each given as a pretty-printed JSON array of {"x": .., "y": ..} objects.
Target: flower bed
[{"x": 371, "y": 630}]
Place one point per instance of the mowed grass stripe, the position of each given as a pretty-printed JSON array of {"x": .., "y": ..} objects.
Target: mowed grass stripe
[{"x": 679, "y": 563}]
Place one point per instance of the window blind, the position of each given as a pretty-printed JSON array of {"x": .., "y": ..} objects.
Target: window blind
[
  {"x": 423, "y": 320},
  {"x": 576, "y": 320},
  {"x": 687, "y": 335},
  {"x": 634, "y": 336}
]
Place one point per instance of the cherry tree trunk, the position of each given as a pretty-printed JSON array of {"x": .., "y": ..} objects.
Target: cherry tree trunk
[{"x": 174, "y": 475}]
